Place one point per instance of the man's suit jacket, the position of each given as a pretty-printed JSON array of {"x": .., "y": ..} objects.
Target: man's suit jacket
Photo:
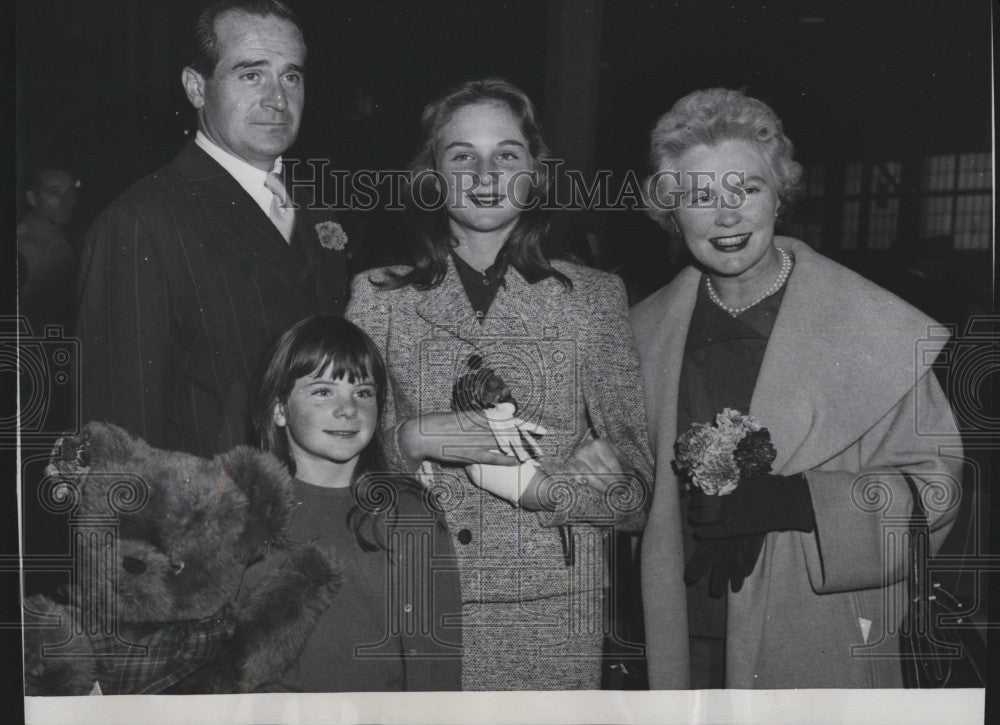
[{"x": 183, "y": 284}]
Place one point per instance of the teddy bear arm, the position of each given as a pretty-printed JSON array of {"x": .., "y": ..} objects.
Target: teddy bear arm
[
  {"x": 72, "y": 669},
  {"x": 275, "y": 618}
]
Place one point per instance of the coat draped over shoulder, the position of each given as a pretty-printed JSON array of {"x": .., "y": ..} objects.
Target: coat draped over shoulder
[{"x": 846, "y": 391}]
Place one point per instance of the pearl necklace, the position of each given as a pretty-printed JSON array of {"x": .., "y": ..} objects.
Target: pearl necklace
[{"x": 786, "y": 270}]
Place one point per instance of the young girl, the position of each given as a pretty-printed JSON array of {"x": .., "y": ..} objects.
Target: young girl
[
  {"x": 480, "y": 288},
  {"x": 317, "y": 408}
]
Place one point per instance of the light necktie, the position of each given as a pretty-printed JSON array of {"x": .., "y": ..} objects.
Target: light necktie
[{"x": 282, "y": 215}]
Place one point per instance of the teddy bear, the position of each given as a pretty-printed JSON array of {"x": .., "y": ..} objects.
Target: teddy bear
[{"x": 160, "y": 599}]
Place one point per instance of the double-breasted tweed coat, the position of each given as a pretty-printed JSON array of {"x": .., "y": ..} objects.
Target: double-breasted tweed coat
[
  {"x": 530, "y": 620},
  {"x": 846, "y": 391},
  {"x": 183, "y": 284}
]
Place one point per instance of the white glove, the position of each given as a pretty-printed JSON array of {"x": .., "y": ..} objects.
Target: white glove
[
  {"x": 506, "y": 482},
  {"x": 514, "y": 435}
]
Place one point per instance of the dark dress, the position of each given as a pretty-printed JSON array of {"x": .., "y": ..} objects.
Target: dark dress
[{"x": 722, "y": 357}]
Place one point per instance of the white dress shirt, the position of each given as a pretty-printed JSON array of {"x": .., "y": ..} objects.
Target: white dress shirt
[{"x": 248, "y": 176}]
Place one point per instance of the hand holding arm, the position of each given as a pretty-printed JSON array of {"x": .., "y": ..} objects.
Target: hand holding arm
[{"x": 449, "y": 437}]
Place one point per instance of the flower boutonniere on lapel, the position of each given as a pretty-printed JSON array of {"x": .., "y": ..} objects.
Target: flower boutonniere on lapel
[{"x": 331, "y": 235}]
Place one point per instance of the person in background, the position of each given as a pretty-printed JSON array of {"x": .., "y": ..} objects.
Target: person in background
[
  {"x": 189, "y": 275},
  {"x": 789, "y": 571},
  {"x": 47, "y": 264}
]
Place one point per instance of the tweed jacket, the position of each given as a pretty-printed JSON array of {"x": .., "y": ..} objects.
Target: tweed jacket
[
  {"x": 570, "y": 361},
  {"x": 845, "y": 390},
  {"x": 183, "y": 283}
]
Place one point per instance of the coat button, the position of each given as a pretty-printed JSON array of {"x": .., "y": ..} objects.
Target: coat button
[
  {"x": 464, "y": 536},
  {"x": 408, "y": 608}
]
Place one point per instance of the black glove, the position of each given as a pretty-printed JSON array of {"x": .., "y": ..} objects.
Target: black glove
[
  {"x": 757, "y": 506},
  {"x": 730, "y": 560}
]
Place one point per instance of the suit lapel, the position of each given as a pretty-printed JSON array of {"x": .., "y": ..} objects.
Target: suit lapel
[
  {"x": 326, "y": 264},
  {"x": 447, "y": 307},
  {"x": 241, "y": 230},
  {"x": 668, "y": 352}
]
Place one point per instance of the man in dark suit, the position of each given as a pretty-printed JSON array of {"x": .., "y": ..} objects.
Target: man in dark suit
[{"x": 189, "y": 274}]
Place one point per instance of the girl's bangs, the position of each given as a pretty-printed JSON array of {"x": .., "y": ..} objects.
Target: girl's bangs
[{"x": 353, "y": 365}]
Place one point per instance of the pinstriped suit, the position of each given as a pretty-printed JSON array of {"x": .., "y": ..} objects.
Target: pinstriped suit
[{"x": 184, "y": 281}]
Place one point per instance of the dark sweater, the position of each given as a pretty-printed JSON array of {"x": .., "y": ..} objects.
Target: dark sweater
[{"x": 358, "y": 644}]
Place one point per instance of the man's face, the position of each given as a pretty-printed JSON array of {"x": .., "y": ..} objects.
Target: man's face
[
  {"x": 55, "y": 197},
  {"x": 251, "y": 106}
]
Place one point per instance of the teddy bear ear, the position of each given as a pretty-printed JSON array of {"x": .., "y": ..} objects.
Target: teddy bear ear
[
  {"x": 98, "y": 444},
  {"x": 268, "y": 487},
  {"x": 70, "y": 456}
]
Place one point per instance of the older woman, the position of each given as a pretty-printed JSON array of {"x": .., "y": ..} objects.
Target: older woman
[{"x": 826, "y": 361}]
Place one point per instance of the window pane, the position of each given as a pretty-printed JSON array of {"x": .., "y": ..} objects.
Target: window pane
[
  {"x": 973, "y": 216},
  {"x": 974, "y": 171},
  {"x": 883, "y": 221},
  {"x": 935, "y": 215},
  {"x": 939, "y": 173},
  {"x": 852, "y": 178},
  {"x": 852, "y": 218}
]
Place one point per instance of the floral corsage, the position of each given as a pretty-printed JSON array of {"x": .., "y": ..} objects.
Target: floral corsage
[
  {"x": 716, "y": 456},
  {"x": 331, "y": 235}
]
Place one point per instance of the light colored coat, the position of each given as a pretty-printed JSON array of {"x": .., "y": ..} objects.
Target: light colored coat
[
  {"x": 845, "y": 390},
  {"x": 570, "y": 360}
]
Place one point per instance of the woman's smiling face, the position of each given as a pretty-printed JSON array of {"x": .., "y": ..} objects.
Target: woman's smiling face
[
  {"x": 485, "y": 160},
  {"x": 728, "y": 207}
]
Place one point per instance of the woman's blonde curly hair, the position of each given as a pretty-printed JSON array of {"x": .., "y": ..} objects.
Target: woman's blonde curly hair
[{"x": 710, "y": 117}]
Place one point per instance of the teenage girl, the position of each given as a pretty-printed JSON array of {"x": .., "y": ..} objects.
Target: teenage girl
[{"x": 480, "y": 287}]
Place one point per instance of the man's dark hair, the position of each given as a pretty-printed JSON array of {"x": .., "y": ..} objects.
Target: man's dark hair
[{"x": 205, "y": 41}]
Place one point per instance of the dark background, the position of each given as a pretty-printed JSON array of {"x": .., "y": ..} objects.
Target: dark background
[{"x": 98, "y": 89}]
